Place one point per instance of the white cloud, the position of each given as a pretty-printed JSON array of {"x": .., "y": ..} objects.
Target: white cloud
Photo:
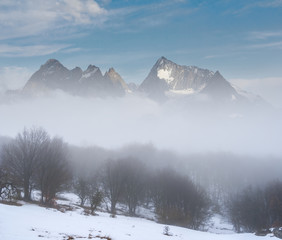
[
  {"x": 81, "y": 12},
  {"x": 32, "y": 50},
  {"x": 270, "y": 3},
  {"x": 258, "y": 4},
  {"x": 55, "y": 18},
  {"x": 268, "y": 88},
  {"x": 12, "y": 78},
  {"x": 268, "y": 45},
  {"x": 32, "y": 17},
  {"x": 265, "y": 34}
]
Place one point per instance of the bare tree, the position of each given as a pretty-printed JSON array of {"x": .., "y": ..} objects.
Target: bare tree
[
  {"x": 134, "y": 186},
  {"x": 81, "y": 189},
  {"x": 21, "y": 157},
  {"x": 178, "y": 201},
  {"x": 113, "y": 181},
  {"x": 273, "y": 196},
  {"x": 53, "y": 171},
  {"x": 95, "y": 198},
  {"x": 248, "y": 210}
]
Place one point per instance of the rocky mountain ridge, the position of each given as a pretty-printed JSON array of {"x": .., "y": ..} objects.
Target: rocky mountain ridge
[
  {"x": 165, "y": 80},
  {"x": 53, "y": 75}
]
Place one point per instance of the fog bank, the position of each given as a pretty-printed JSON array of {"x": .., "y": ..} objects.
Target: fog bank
[{"x": 115, "y": 122}]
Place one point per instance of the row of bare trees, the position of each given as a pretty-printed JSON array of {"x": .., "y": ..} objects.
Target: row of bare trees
[
  {"x": 257, "y": 208},
  {"x": 174, "y": 198},
  {"x": 34, "y": 160}
]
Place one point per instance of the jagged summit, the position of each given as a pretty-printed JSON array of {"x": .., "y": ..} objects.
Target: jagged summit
[
  {"x": 52, "y": 61},
  {"x": 52, "y": 64},
  {"x": 111, "y": 73},
  {"x": 92, "y": 72},
  {"x": 76, "y": 69},
  {"x": 116, "y": 80},
  {"x": 162, "y": 60},
  {"x": 112, "y": 70},
  {"x": 91, "y": 82},
  {"x": 91, "y": 68},
  {"x": 167, "y": 78}
]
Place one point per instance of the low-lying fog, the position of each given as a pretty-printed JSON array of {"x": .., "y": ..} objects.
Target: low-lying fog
[{"x": 115, "y": 122}]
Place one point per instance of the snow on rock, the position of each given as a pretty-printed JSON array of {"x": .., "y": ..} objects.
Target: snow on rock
[
  {"x": 187, "y": 91},
  {"x": 165, "y": 74}
]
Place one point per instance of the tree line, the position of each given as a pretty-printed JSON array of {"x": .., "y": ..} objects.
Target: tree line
[
  {"x": 35, "y": 161},
  {"x": 258, "y": 208}
]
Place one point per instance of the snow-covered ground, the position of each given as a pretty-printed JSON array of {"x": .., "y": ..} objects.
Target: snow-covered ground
[
  {"x": 219, "y": 225},
  {"x": 30, "y": 222}
]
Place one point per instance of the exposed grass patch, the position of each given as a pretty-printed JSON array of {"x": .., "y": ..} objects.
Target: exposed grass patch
[{"x": 11, "y": 203}]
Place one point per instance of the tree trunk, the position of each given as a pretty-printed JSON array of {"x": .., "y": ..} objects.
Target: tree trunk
[
  {"x": 26, "y": 191},
  {"x": 113, "y": 207}
]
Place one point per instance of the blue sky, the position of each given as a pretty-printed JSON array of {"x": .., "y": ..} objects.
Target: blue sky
[{"x": 240, "y": 38}]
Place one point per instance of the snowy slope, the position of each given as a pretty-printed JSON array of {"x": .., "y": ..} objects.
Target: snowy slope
[{"x": 30, "y": 222}]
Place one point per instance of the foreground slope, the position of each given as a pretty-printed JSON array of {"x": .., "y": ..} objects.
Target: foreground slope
[{"x": 30, "y": 222}]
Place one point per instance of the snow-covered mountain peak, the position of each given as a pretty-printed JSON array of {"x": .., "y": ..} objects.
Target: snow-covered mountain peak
[{"x": 167, "y": 79}]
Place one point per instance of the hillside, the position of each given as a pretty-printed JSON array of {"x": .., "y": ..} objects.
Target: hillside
[{"x": 35, "y": 222}]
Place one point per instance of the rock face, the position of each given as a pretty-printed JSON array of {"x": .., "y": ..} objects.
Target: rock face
[
  {"x": 166, "y": 78},
  {"x": 119, "y": 85},
  {"x": 91, "y": 82}
]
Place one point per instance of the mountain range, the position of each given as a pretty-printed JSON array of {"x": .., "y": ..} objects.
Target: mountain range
[
  {"x": 165, "y": 80},
  {"x": 91, "y": 82}
]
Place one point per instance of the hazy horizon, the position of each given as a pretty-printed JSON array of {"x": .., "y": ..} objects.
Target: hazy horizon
[{"x": 180, "y": 126}]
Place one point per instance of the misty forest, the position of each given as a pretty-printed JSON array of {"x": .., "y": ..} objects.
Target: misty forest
[
  {"x": 133, "y": 120},
  {"x": 182, "y": 190}
]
